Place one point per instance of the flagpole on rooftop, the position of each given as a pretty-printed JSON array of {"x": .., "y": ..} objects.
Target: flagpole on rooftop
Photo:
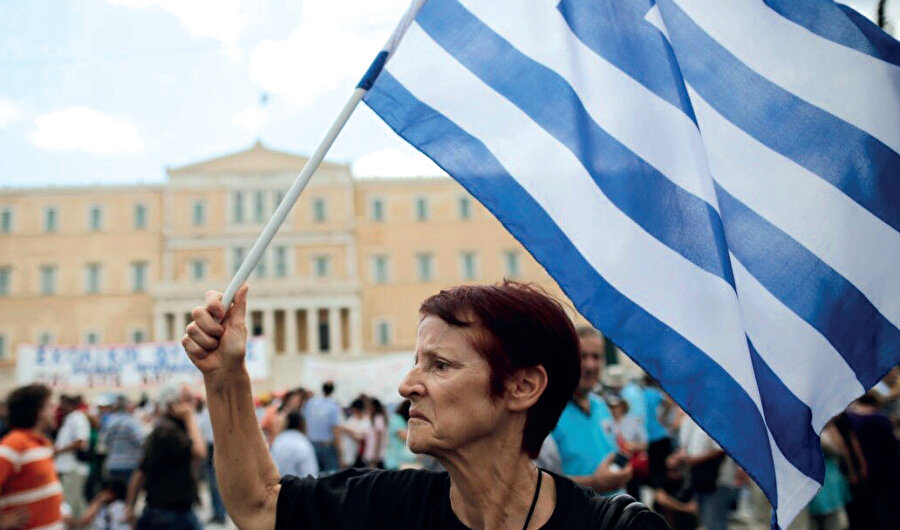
[{"x": 293, "y": 193}]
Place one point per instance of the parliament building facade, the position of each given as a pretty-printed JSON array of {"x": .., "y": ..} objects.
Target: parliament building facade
[{"x": 344, "y": 276}]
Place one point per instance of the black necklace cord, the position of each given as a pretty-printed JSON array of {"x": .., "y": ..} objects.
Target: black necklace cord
[{"x": 537, "y": 492}]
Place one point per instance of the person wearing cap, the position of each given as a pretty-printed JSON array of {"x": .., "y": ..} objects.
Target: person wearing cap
[
  {"x": 167, "y": 467},
  {"x": 122, "y": 435}
]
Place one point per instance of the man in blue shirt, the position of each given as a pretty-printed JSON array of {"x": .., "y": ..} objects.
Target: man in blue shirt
[
  {"x": 586, "y": 450},
  {"x": 323, "y": 417}
]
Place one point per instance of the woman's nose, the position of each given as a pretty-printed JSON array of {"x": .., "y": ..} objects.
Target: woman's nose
[{"x": 411, "y": 384}]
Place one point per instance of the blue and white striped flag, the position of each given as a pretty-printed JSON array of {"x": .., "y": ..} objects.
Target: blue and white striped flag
[{"x": 715, "y": 185}]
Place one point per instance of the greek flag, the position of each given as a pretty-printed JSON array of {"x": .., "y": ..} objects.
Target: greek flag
[{"x": 715, "y": 185}]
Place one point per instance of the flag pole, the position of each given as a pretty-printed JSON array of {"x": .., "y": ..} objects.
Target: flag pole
[
  {"x": 275, "y": 222},
  {"x": 293, "y": 193}
]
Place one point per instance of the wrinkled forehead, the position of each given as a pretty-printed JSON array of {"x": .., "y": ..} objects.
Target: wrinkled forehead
[{"x": 434, "y": 333}]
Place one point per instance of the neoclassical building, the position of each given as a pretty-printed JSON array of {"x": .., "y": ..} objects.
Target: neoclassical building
[{"x": 343, "y": 277}]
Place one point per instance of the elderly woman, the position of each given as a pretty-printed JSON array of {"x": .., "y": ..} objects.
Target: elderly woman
[{"x": 494, "y": 367}]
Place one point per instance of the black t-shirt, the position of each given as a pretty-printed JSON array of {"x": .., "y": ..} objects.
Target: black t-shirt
[
  {"x": 168, "y": 467},
  {"x": 416, "y": 499}
]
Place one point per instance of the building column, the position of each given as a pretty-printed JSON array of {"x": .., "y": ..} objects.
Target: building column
[
  {"x": 269, "y": 330},
  {"x": 312, "y": 330},
  {"x": 290, "y": 331},
  {"x": 334, "y": 330},
  {"x": 355, "y": 331},
  {"x": 159, "y": 327}
]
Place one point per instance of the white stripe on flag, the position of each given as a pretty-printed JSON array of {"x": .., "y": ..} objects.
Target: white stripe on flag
[
  {"x": 32, "y": 495},
  {"x": 761, "y": 38},
  {"x": 840, "y": 232},
  {"x": 646, "y": 124},
  {"x": 798, "y": 354},
  {"x": 601, "y": 232},
  {"x": 794, "y": 488}
]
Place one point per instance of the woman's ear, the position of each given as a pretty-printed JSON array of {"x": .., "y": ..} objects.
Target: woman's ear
[{"x": 525, "y": 387}]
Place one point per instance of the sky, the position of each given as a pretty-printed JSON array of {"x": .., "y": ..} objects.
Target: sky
[{"x": 114, "y": 91}]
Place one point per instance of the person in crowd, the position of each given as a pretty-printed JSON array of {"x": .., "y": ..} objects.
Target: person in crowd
[
  {"x": 122, "y": 436},
  {"x": 376, "y": 435},
  {"x": 825, "y": 509},
  {"x": 398, "y": 454},
  {"x": 711, "y": 473},
  {"x": 674, "y": 499},
  {"x": 585, "y": 448},
  {"x": 874, "y": 503},
  {"x": 292, "y": 451},
  {"x": 26, "y": 463},
  {"x": 630, "y": 435},
  {"x": 107, "y": 510},
  {"x": 167, "y": 470},
  {"x": 659, "y": 445},
  {"x": 215, "y": 498},
  {"x": 71, "y": 453},
  {"x": 494, "y": 368},
  {"x": 323, "y": 418},
  {"x": 353, "y": 435}
]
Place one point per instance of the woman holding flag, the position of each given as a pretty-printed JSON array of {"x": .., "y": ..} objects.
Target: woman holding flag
[{"x": 494, "y": 367}]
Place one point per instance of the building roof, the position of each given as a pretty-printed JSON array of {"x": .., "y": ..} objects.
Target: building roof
[{"x": 258, "y": 158}]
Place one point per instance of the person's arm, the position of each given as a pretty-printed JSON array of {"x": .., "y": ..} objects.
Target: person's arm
[
  {"x": 247, "y": 476},
  {"x": 135, "y": 485},
  {"x": 667, "y": 501},
  {"x": 185, "y": 412},
  {"x": 692, "y": 461},
  {"x": 88, "y": 516},
  {"x": 14, "y": 519},
  {"x": 605, "y": 478}
]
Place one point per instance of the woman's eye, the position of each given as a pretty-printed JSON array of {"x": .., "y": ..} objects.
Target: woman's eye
[{"x": 441, "y": 365}]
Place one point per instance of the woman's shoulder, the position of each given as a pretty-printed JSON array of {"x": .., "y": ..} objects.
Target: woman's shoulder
[
  {"x": 366, "y": 481},
  {"x": 579, "y": 507}
]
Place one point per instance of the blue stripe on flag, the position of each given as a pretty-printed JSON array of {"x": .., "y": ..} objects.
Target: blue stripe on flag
[
  {"x": 866, "y": 340},
  {"x": 666, "y": 354},
  {"x": 618, "y": 32},
  {"x": 846, "y": 26},
  {"x": 790, "y": 418},
  {"x": 682, "y": 221},
  {"x": 856, "y": 163}
]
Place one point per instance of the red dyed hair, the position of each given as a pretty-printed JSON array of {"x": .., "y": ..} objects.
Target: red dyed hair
[{"x": 516, "y": 325}]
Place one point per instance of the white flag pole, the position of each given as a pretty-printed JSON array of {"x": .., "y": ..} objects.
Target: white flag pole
[{"x": 271, "y": 228}]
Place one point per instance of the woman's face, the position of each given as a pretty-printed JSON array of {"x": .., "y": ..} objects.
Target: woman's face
[{"x": 449, "y": 388}]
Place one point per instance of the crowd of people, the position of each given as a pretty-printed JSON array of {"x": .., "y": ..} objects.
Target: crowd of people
[{"x": 64, "y": 463}]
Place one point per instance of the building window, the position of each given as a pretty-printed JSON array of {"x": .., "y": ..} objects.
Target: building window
[
  {"x": 237, "y": 207},
  {"x": 48, "y": 279},
  {"x": 319, "y": 210},
  {"x": 138, "y": 335},
  {"x": 281, "y": 266},
  {"x": 95, "y": 218},
  {"x": 237, "y": 258},
  {"x": 45, "y": 338},
  {"x": 5, "y": 281},
  {"x": 92, "y": 337},
  {"x": 376, "y": 210},
  {"x": 469, "y": 265},
  {"x": 465, "y": 208},
  {"x": 421, "y": 208},
  {"x": 198, "y": 213},
  {"x": 140, "y": 216},
  {"x": 321, "y": 266},
  {"x": 380, "y": 268},
  {"x": 3, "y": 347},
  {"x": 139, "y": 276},
  {"x": 259, "y": 206},
  {"x": 198, "y": 269},
  {"x": 425, "y": 266},
  {"x": 6, "y": 220},
  {"x": 512, "y": 262},
  {"x": 383, "y": 333},
  {"x": 92, "y": 278},
  {"x": 50, "y": 219}
]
